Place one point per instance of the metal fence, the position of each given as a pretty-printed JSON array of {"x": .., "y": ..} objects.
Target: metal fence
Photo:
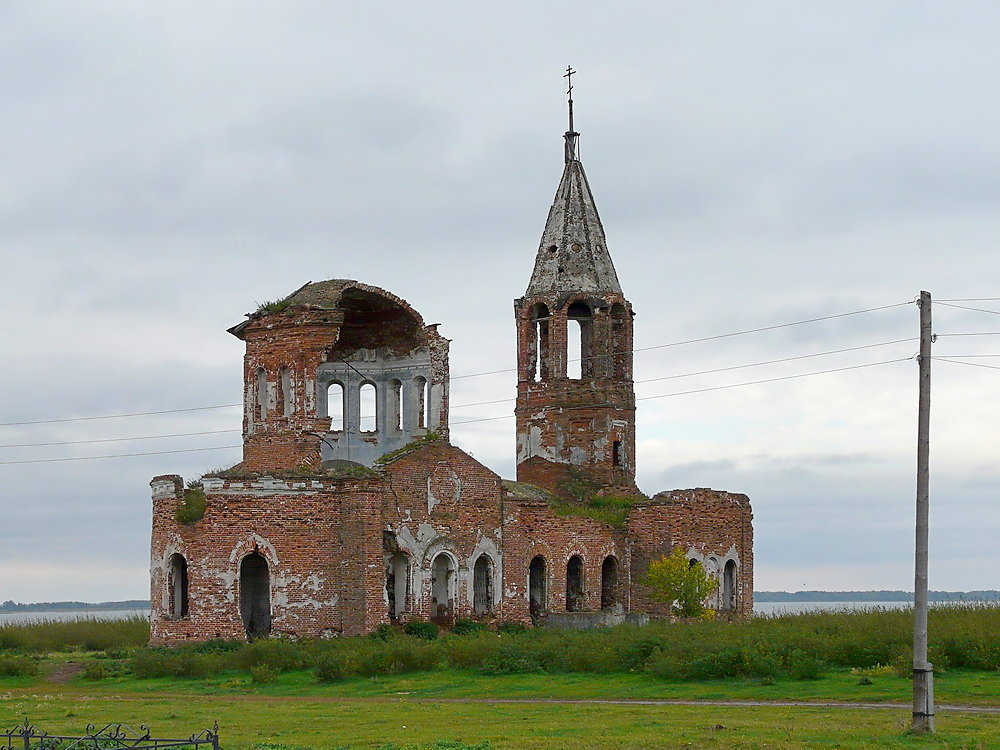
[{"x": 26, "y": 736}]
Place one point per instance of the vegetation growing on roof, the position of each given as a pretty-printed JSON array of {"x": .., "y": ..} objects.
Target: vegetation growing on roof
[
  {"x": 581, "y": 495},
  {"x": 191, "y": 507},
  {"x": 272, "y": 307},
  {"x": 420, "y": 442}
]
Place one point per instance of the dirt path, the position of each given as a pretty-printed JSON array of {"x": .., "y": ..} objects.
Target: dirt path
[
  {"x": 956, "y": 708},
  {"x": 64, "y": 672}
]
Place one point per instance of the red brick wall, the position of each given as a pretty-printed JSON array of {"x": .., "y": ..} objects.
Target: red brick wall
[{"x": 712, "y": 524}]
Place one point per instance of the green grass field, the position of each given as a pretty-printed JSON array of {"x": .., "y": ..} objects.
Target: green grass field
[{"x": 503, "y": 691}]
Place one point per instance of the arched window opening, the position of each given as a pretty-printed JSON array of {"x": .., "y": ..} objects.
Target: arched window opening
[
  {"x": 443, "y": 589},
  {"x": 369, "y": 407},
  {"x": 539, "y": 352},
  {"x": 178, "y": 586},
  {"x": 579, "y": 339},
  {"x": 482, "y": 586},
  {"x": 729, "y": 586},
  {"x": 574, "y": 584},
  {"x": 537, "y": 595},
  {"x": 335, "y": 406},
  {"x": 609, "y": 582},
  {"x": 692, "y": 562},
  {"x": 255, "y": 596},
  {"x": 397, "y": 580},
  {"x": 617, "y": 454},
  {"x": 620, "y": 345},
  {"x": 286, "y": 396},
  {"x": 261, "y": 393},
  {"x": 395, "y": 420},
  {"x": 421, "y": 402}
]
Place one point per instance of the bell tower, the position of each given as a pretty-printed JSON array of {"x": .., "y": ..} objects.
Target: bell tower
[{"x": 575, "y": 400}]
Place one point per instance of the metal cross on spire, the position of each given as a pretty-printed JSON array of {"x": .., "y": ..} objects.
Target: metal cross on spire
[{"x": 571, "y": 134}]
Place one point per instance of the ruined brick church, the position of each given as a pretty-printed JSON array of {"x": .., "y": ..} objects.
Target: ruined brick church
[{"x": 351, "y": 508}]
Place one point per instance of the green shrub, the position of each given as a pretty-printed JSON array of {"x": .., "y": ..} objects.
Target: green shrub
[
  {"x": 426, "y": 630},
  {"x": 275, "y": 653},
  {"x": 174, "y": 662},
  {"x": 510, "y": 659},
  {"x": 464, "y": 627},
  {"x": 262, "y": 673},
  {"x": 333, "y": 666},
  {"x": 382, "y": 633},
  {"x": 802, "y": 665},
  {"x": 17, "y": 666},
  {"x": 97, "y": 670},
  {"x": 511, "y": 628},
  {"x": 469, "y": 651}
]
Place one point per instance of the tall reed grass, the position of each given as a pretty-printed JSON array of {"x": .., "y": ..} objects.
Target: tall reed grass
[{"x": 87, "y": 634}]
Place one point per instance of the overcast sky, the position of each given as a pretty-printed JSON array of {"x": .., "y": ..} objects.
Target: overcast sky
[{"x": 170, "y": 165}]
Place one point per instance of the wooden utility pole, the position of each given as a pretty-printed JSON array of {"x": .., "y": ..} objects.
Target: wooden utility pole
[{"x": 923, "y": 671}]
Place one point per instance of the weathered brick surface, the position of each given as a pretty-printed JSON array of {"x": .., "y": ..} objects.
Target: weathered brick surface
[{"x": 350, "y": 549}]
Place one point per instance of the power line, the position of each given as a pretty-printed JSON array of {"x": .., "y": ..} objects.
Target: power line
[
  {"x": 714, "y": 388},
  {"x": 116, "y": 440},
  {"x": 970, "y": 364},
  {"x": 118, "y": 416},
  {"x": 715, "y": 337},
  {"x": 716, "y": 370},
  {"x": 981, "y": 333},
  {"x": 117, "y": 455},
  {"x": 473, "y": 374},
  {"x": 969, "y": 299},
  {"x": 966, "y": 307}
]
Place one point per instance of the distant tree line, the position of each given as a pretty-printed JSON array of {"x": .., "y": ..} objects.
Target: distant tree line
[
  {"x": 873, "y": 596},
  {"x": 12, "y": 606}
]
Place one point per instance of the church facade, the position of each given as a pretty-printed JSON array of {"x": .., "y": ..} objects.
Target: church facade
[{"x": 351, "y": 508}]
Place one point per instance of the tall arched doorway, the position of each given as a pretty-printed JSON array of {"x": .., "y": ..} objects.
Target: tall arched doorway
[
  {"x": 397, "y": 579},
  {"x": 178, "y": 586},
  {"x": 255, "y": 596},
  {"x": 609, "y": 582},
  {"x": 482, "y": 586},
  {"x": 537, "y": 594},
  {"x": 443, "y": 589},
  {"x": 574, "y": 584},
  {"x": 729, "y": 585}
]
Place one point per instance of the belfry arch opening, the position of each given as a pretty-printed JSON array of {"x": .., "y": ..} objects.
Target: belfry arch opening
[
  {"x": 579, "y": 341},
  {"x": 178, "y": 586},
  {"x": 482, "y": 586},
  {"x": 255, "y": 596},
  {"x": 537, "y": 594},
  {"x": 609, "y": 582},
  {"x": 539, "y": 342},
  {"x": 574, "y": 584}
]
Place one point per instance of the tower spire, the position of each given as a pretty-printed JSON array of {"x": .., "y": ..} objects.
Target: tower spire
[{"x": 571, "y": 135}]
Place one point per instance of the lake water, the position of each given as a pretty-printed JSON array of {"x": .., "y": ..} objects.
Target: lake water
[{"x": 760, "y": 608}]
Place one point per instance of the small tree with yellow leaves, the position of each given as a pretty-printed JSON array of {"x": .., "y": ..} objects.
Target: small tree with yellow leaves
[{"x": 682, "y": 585}]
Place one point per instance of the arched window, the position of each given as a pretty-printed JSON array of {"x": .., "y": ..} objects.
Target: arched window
[
  {"x": 609, "y": 582},
  {"x": 482, "y": 586},
  {"x": 255, "y": 596},
  {"x": 620, "y": 344},
  {"x": 261, "y": 393},
  {"x": 395, "y": 405},
  {"x": 286, "y": 396},
  {"x": 397, "y": 581},
  {"x": 539, "y": 352},
  {"x": 443, "y": 588},
  {"x": 335, "y": 406},
  {"x": 574, "y": 584},
  {"x": 369, "y": 407},
  {"x": 579, "y": 335},
  {"x": 537, "y": 593},
  {"x": 177, "y": 584},
  {"x": 729, "y": 585},
  {"x": 421, "y": 403}
]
